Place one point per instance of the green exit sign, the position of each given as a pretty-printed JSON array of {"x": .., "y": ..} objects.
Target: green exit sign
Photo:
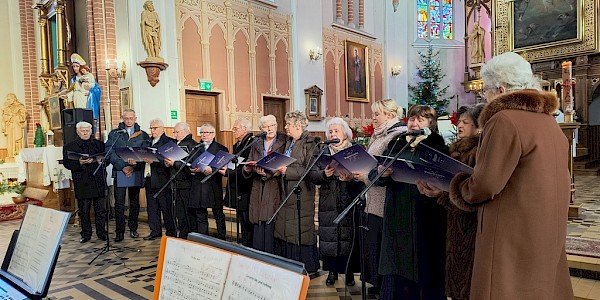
[
  {"x": 205, "y": 85},
  {"x": 173, "y": 115}
]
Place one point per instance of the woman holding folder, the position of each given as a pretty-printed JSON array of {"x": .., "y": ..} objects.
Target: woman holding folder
[{"x": 267, "y": 187}]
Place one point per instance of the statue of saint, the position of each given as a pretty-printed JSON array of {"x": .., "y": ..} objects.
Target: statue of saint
[
  {"x": 151, "y": 32},
  {"x": 84, "y": 91},
  {"x": 477, "y": 43},
  {"x": 14, "y": 120}
]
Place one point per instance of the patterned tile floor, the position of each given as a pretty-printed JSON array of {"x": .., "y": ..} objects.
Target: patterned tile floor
[{"x": 128, "y": 271}]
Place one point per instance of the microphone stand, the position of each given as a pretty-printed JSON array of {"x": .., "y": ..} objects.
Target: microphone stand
[
  {"x": 360, "y": 199},
  {"x": 235, "y": 159},
  {"x": 298, "y": 191},
  {"x": 102, "y": 165}
]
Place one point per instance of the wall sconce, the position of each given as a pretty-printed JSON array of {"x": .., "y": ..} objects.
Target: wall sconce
[
  {"x": 315, "y": 54},
  {"x": 396, "y": 70},
  {"x": 114, "y": 72}
]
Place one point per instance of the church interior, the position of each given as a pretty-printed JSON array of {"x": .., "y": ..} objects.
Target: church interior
[{"x": 216, "y": 61}]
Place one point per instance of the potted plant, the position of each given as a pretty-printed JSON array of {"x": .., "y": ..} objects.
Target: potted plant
[{"x": 13, "y": 190}]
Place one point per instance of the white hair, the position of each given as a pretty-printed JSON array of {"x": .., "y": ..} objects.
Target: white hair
[
  {"x": 183, "y": 125},
  {"x": 265, "y": 119},
  {"x": 126, "y": 111},
  {"x": 341, "y": 122},
  {"x": 297, "y": 117},
  {"x": 83, "y": 124},
  {"x": 511, "y": 71},
  {"x": 207, "y": 125},
  {"x": 244, "y": 122},
  {"x": 157, "y": 121}
]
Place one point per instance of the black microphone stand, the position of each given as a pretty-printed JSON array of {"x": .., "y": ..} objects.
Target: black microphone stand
[
  {"x": 361, "y": 199},
  {"x": 185, "y": 163},
  {"x": 235, "y": 160},
  {"x": 102, "y": 165},
  {"x": 298, "y": 191}
]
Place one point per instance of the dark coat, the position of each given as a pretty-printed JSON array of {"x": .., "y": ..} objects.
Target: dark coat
[
  {"x": 184, "y": 178},
  {"x": 244, "y": 185},
  {"x": 334, "y": 197},
  {"x": 286, "y": 222},
  {"x": 86, "y": 184},
  {"x": 462, "y": 228},
  {"x": 266, "y": 190},
  {"x": 210, "y": 193},
  {"x": 521, "y": 183},
  {"x": 414, "y": 227},
  {"x": 160, "y": 174},
  {"x": 139, "y": 138}
]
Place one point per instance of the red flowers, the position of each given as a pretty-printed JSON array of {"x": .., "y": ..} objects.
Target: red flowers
[
  {"x": 454, "y": 119},
  {"x": 368, "y": 130}
]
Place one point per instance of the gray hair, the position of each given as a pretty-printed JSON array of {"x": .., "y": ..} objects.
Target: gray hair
[
  {"x": 244, "y": 122},
  {"x": 297, "y": 117},
  {"x": 265, "y": 119},
  {"x": 341, "y": 122},
  {"x": 511, "y": 71},
  {"x": 83, "y": 124},
  {"x": 207, "y": 125},
  {"x": 183, "y": 125},
  {"x": 157, "y": 121},
  {"x": 126, "y": 111}
]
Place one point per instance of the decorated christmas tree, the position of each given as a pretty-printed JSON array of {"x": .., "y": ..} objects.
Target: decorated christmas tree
[
  {"x": 38, "y": 139},
  {"x": 427, "y": 91}
]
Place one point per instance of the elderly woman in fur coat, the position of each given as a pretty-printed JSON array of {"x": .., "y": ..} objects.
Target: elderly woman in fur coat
[
  {"x": 462, "y": 220},
  {"x": 521, "y": 186}
]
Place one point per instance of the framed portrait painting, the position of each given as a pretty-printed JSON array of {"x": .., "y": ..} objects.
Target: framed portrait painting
[
  {"x": 125, "y": 97},
  {"x": 54, "y": 109},
  {"x": 357, "y": 71}
]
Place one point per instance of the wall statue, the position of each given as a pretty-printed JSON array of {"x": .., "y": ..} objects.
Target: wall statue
[
  {"x": 477, "y": 43},
  {"x": 14, "y": 120},
  {"x": 83, "y": 91},
  {"x": 150, "y": 26}
]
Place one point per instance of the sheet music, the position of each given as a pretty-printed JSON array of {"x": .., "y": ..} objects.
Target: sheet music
[
  {"x": 253, "y": 280},
  {"x": 39, "y": 237},
  {"x": 191, "y": 271}
]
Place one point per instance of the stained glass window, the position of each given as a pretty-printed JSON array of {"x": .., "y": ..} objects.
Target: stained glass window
[{"x": 434, "y": 19}]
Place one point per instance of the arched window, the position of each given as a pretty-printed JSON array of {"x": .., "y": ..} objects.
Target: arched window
[{"x": 434, "y": 19}]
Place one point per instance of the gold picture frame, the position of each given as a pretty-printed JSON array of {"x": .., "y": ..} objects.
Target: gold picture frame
[
  {"x": 54, "y": 109},
  {"x": 125, "y": 98},
  {"x": 357, "y": 71},
  {"x": 540, "y": 34}
]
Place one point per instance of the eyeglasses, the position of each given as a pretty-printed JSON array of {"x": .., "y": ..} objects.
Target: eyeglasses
[
  {"x": 176, "y": 131},
  {"x": 207, "y": 132},
  {"x": 269, "y": 126},
  {"x": 157, "y": 127},
  {"x": 235, "y": 129}
]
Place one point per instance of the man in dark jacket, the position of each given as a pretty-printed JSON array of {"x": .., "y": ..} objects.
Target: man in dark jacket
[
  {"x": 210, "y": 193},
  {"x": 183, "y": 181},
  {"x": 89, "y": 188},
  {"x": 237, "y": 185},
  {"x": 158, "y": 176},
  {"x": 128, "y": 134}
]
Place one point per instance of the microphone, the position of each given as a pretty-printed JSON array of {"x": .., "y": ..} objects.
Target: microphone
[
  {"x": 262, "y": 134},
  {"x": 424, "y": 132},
  {"x": 120, "y": 130},
  {"x": 198, "y": 145},
  {"x": 332, "y": 141}
]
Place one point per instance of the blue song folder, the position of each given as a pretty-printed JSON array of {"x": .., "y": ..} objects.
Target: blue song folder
[
  {"x": 274, "y": 161},
  {"x": 410, "y": 172},
  {"x": 136, "y": 153},
  {"x": 221, "y": 159},
  {"x": 355, "y": 159},
  {"x": 202, "y": 160},
  {"x": 172, "y": 151}
]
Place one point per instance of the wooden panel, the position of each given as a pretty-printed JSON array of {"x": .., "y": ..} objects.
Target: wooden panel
[
  {"x": 276, "y": 107},
  {"x": 320, "y": 134},
  {"x": 200, "y": 109},
  {"x": 3, "y": 153}
]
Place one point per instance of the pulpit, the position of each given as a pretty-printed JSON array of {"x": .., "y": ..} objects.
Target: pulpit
[{"x": 570, "y": 129}]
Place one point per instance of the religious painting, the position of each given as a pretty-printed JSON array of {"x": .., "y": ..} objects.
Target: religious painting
[
  {"x": 540, "y": 30},
  {"x": 125, "y": 98},
  {"x": 54, "y": 118},
  {"x": 357, "y": 72},
  {"x": 312, "y": 104},
  {"x": 545, "y": 22}
]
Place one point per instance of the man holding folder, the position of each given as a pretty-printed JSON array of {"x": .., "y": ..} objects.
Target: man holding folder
[{"x": 128, "y": 134}]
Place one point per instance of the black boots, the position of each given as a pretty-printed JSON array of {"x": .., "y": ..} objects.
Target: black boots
[
  {"x": 350, "y": 279},
  {"x": 331, "y": 278}
]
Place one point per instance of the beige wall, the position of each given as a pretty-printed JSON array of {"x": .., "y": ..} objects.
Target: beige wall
[{"x": 11, "y": 62}]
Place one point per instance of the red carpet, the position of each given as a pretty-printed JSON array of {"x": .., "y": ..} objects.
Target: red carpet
[
  {"x": 16, "y": 211},
  {"x": 583, "y": 246}
]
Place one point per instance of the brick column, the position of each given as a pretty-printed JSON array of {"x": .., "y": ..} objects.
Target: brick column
[
  {"x": 30, "y": 68},
  {"x": 338, "y": 12},
  {"x": 361, "y": 14},
  {"x": 351, "y": 13}
]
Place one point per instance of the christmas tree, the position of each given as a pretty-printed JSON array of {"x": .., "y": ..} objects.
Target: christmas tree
[
  {"x": 427, "y": 91},
  {"x": 38, "y": 139}
]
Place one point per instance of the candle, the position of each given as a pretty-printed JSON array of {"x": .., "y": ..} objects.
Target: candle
[
  {"x": 107, "y": 64},
  {"x": 116, "y": 63},
  {"x": 567, "y": 75}
]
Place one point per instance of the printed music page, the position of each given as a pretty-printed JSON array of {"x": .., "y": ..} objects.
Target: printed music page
[
  {"x": 193, "y": 271},
  {"x": 39, "y": 237},
  {"x": 253, "y": 280}
]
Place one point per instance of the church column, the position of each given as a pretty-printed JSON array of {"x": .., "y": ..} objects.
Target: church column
[
  {"x": 361, "y": 14},
  {"x": 338, "y": 12},
  {"x": 252, "y": 63},
  {"x": 272, "y": 64},
  {"x": 229, "y": 38},
  {"x": 351, "y": 13}
]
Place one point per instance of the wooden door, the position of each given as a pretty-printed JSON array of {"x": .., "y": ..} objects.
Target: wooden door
[
  {"x": 201, "y": 109},
  {"x": 276, "y": 107}
]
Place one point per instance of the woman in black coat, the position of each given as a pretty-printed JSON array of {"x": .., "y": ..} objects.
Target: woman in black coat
[
  {"x": 337, "y": 243},
  {"x": 90, "y": 189},
  {"x": 414, "y": 226}
]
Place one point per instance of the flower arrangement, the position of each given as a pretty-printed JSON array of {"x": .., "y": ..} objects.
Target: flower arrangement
[
  {"x": 454, "y": 119},
  {"x": 363, "y": 135}
]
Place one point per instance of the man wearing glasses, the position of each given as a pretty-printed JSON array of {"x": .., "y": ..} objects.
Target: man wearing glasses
[
  {"x": 183, "y": 181},
  {"x": 158, "y": 176},
  {"x": 208, "y": 194},
  {"x": 128, "y": 134}
]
